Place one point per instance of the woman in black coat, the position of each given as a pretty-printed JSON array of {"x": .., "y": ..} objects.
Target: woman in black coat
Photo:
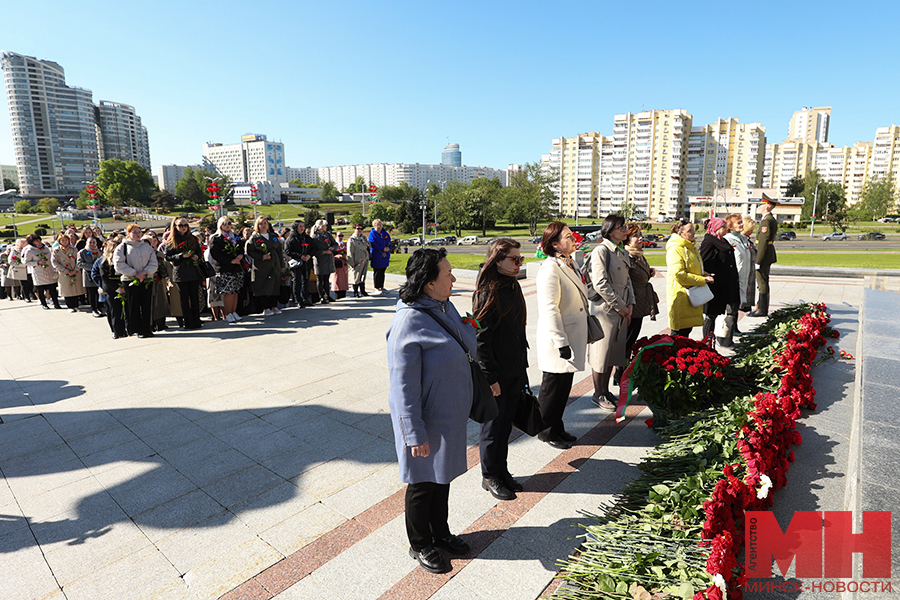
[
  {"x": 499, "y": 306},
  {"x": 718, "y": 260},
  {"x": 183, "y": 251},
  {"x": 299, "y": 249}
]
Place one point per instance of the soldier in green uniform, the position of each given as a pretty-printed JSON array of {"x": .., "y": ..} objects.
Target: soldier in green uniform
[{"x": 765, "y": 256}]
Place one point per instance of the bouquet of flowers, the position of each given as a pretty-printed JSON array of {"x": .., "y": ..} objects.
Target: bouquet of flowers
[{"x": 262, "y": 247}]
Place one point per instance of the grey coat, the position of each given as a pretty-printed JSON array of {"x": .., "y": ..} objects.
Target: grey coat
[
  {"x": 612, "y": 280},
  {"x": 358, "y": 257},
  {"x": 431, "y": 390}
]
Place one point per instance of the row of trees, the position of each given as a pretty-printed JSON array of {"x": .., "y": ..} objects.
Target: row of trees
[
  {"x": 527, "y": 199},
  {"x": 878, "y": 198},
  {"x": 44, "y": 205}
]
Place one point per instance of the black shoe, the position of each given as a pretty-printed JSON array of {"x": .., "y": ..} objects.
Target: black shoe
[
  {"x": 497, "y": 489},
  {"x": 606, "y": 402},
  {"x": 512, "y": 484},
  {"x": 45, "y": 307},
  {"x": 756, "y": 313},
  {"x": 57, "y": 307},
  {"x": 145, "y": 335},
  {"x": 567, "y": 437},
  {"x": 453, "y": 544},
  {"x": 115, "y": 336},
  {"x": 559, "y": 444},
  {"x": 724, "y": 342},
  {"x": 430, "y": 559}
]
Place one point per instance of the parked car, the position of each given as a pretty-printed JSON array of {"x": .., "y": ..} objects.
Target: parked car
[
  {"x": 650, "y": 243},
  {"x": 870, "y": 236},
  {"x": 787, "y": 236},
  {"x": 469, "y": 239},
  {"x": 449, "y": 239},
  {"x": 413, "y": 241},
  {"x": 594, "y": 236},
  {"x": 834, "y": 235},
  {"x": 537, "y": 240}
]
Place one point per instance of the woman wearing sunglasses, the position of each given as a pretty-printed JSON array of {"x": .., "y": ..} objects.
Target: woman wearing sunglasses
[{"x": 183, "y": 251}]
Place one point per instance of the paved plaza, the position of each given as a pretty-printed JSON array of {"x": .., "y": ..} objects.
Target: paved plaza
[{"x": 257, "y": 460}]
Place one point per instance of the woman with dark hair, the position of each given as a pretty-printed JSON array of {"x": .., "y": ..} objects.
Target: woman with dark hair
[
  {"x": 430, "y": 399},
  {"x": 499, "y": 307},
  {"x": 111, "y": 283},
  {"x": 610, "y": 266},
  {"x": 718, "y": 260},
  {"x": 87, "y": 256},
  {"x": 325, "y": 247},
  {"x": 561, "y": 330},
  {"x": 226, "y": 249},
  {"x": 358, "y": 257},
  {"x": 684, "y": 270},
  {"x": 37, "y": 258},
  {"x": 298, "y": 248},
  {"x": 183, "y": 251},
  {"x": 380, "y": 249},
  {"x": 265, "y": 249},
  {"x": 645, "y": 300}
]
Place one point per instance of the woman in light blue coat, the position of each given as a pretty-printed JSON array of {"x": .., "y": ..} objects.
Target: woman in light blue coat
[{"x": 430, "y": 399}]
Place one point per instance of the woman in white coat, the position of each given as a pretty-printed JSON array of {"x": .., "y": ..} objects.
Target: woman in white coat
[
  {"x": 610, "y": 276},
  {"x": 741, "y": 245},
  {"x": 561, "y": 330},
  {"x": 36, "y": 257}
]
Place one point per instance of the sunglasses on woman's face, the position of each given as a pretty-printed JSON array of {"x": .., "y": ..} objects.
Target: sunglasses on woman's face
[{"x": 519, "y": 260}]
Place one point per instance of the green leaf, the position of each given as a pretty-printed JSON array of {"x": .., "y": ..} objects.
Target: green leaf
[
  {"x": 661, "y": 489},
  {"x": 606, "y": 583}
]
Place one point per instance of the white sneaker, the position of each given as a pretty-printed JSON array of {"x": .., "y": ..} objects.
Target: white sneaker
[
  {"x": 276, "y": 310},
  {"x": 268, "y": 312},
  {"x": 236, "y": 317},
  {"x": 376, "y": 292},
  {"x": 229, "y": 318}
]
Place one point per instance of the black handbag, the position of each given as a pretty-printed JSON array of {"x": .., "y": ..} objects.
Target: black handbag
[
  {"x": 528, "y": 414},
  {"x": 484, "y": 405}
]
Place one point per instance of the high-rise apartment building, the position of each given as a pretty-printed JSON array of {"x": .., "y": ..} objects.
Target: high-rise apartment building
[
  {"x": 11, "y": 173},
  {"x": 886, "y": 152},
  {"x": 416, "y": 175},
  {"x": 303, "y": 174},
  {"x": 789, "y": 159},
  {"x": 121, "y": 134},
  {"x": 810, "y": 125},
  {"x": 451, "y": 156},
  {"x": 58, "y": 133},
  {"x": 725, "y": 154},
  {"x": 577, "y": 161}
]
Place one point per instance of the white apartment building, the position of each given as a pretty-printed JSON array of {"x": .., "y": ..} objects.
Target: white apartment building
[
  {"x": 810, "y": 125},
  {"x": 304, "y": 174},
  {"x": 168, "y": 175},
  {"x": 416, "y": 175},
  {"x": 725, "y": 154},
  {"x": 10, "y": 172},
  {"x": 253, "y": 160},
  {"x": 576, "y": 160},
  {"x": 120, "y": 133}
]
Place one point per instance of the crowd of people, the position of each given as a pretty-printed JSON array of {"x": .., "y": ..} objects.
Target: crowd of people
[
  {"x": 430, "y": 347},
  {"x": 138, "y": 278}
]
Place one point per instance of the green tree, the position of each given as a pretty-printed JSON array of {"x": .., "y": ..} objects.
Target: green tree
[
  {"x": 329, "y": 192},
  {"x": 795, "y": 186},
  {"x": 312, "y": 215},
  {"x": 877, "y": 199},
  {"x": 358, "y": 217},
  {"x": 8, "y": 184},
  {"x": 357, "y": 186},
  {"x": 163, "y": 200},
  {"x": 629, "y": 209},
  {"x": 188, "y": 189},
  {"x": 124, "y": 182},
  {"x": 533, "y": 192},
  {"x": 48, "y": 205},
  {"x": 452, "y": 209},
  {"x": 483, "y": 194},
  {"x": 433, "y": 190},
  {"x": 834, "y": 203},
  {"x": 24, "y": 207},
  {"x": 383, "y": 211},
  {"x": 808, "y": 192}
]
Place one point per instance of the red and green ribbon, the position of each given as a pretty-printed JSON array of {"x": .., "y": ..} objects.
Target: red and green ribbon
[{"x": 627, "y": 386}]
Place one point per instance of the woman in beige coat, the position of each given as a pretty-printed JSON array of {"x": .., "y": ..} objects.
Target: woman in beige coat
[
  {"x": 561, "y": 330},
  {"x": 36, "y": 257},
  {"x": 64, "y": 258},
  {"x": 358, "y": 257},
  {"x": 610, "y": 277}
]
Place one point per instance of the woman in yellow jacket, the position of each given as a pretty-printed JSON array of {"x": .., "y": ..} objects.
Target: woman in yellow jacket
[{"x": 685, "y": 270}]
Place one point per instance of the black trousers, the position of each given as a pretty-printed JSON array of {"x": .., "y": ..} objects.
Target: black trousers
[
  {"x": 494, "y": 443},
  {"x": 686, "y": 332},
  {"x": 552, "y": 399},
  {"x": 114, "y": 315},
  {"x": 323, "y": 283},
  {"x": 427, "y": 510},
  {"x": 190, "y": 303},
  {"x": 634, "y": 330},
  {"x": 28, "y": 287},
  {"x": 93, "y": 295},
  {"x": 379, "y": 278},
  {"x": 138, "y": 302},
  {"x": 71, "y": 301},
  {"x": 54, "y": 293},
  {"x": 301, "y": 285}
]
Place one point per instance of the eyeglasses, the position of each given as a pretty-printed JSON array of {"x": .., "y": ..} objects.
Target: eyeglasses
[
  {"x": 519, "y": 260},
  {"x": 622, "y": 227},
  {"x": 182, "y": 225},
  {"x": 358, "y": 228}
]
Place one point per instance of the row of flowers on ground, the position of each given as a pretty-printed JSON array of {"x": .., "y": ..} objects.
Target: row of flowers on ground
[{"x": 727, "y": 428}]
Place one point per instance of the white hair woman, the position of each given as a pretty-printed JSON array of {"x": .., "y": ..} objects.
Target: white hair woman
[{"x": 380, "y": 249}]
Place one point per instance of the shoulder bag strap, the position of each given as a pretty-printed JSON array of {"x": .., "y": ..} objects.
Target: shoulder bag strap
[{"x": 448, "y": 330}]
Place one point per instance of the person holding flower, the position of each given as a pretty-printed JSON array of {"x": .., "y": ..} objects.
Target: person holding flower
[
  {"x": 159, "y": 307},
  {"x": 183, "y": 251},
  {"x": 718, "y": 259},
  {"x": 227, "y": 251},
  {"x": 340, "y": 285},
  {"x": 264, "y": 248},
  {"x": 358, "y": 257},
  {"x": 111, "y": 283},
  {"x": 64, "y": 258},
  {"x": 430, "y": 399},
  {"x": 135, "y": 261},
  {"x": 87, "y": 256},
  {"x": 37, "y": 258},
  {"x": 299, "y": 249},
  {"x": 17, "y": 274},
  {"x": 325, "y": 248}
]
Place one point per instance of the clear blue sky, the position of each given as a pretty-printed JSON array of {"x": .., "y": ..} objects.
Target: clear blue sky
[{"x": 346, "y": 82}]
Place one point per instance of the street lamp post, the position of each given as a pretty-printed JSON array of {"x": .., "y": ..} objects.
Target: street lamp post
[
  {"x": 423, "y": 204},
  {"x": 812, "y": 223}
]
